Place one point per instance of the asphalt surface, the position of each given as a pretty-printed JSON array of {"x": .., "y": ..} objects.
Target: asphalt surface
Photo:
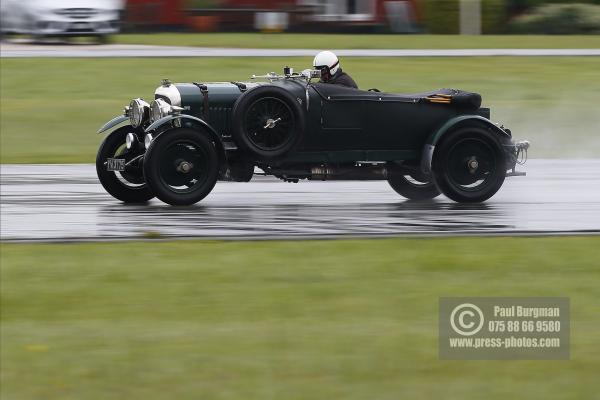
[
  {"x": 24, "y": 49},
  {"x": 66, "y": 202}
]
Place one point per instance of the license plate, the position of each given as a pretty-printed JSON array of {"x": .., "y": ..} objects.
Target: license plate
[
  {"x": 115, "y": 164},
  {"x": 81, "y": 26}
]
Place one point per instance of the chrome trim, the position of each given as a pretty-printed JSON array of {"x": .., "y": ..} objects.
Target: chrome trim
[
  {"x": 307, "y": 97},
  {"x": 148, "y": 140},
  {"x": 130, "y": 140},
  {"x": 138, "y": 112},
  {"x": 271, "y": 123},
  {"x": 159, "y": 109}
]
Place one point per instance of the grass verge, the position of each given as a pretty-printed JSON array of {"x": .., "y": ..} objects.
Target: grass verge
[
  {"x": 349, "y": 319},
  {"x": 357, "y": 41},
  {"x": 50, "y": 109}
]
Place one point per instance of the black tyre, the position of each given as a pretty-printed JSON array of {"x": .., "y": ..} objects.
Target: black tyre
[
  {"x": 181, "y": 166},
  {"x": 5, "y": 35},
  {"x": 128, "y": 186},
  {"x": 469, "y": 165},
  {"x": 413, "y": 186},
  {"x": 102, "y": 39},
  {"x": 267, "y": 122}
]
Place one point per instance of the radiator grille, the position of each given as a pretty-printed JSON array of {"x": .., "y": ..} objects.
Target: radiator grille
[
  {"x": 78, "y": 13},
  {"x": 220, "y": 119}
]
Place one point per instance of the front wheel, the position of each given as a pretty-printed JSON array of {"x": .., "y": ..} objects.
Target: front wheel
[
  {"x": 469, "y": 165},
  {"x": 129, "y": 185},
  {"x": 414, "y": 186},
  {"x": 181, "y": 166},
  {"x": 102, "y": 39}
]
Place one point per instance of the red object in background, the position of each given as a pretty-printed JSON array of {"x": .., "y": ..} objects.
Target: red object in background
[
  {"x": 260, "y": 4},
  {"x": 155, "y": 12},
  {"x": 239, "y": 14},
  {"x": 377, "y": 7},
  {"x": 380, "y": 13}
]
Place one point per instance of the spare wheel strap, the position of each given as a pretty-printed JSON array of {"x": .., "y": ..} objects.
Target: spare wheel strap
[{"x": 204, "y": 89}]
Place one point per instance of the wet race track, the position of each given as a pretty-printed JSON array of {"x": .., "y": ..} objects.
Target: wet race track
[{"x": 54, "y": 203}]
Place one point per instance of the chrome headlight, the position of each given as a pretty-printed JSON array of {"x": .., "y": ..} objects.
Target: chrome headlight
[
  {"x": 159, "y": 109},
  {"x": 138, "y": 112},
  {"x": 131, "y": 140},
  {"x": 147, "y": 140}
]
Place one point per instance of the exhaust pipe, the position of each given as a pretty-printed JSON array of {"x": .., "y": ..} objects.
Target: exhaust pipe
[{"x": 323, "y": 173}]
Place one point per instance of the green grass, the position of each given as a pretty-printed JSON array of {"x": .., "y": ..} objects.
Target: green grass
[
  {"x": 50, "y": 109},
  {"x": 341, "y": 41},
  {"x": 312, "y": 320}
]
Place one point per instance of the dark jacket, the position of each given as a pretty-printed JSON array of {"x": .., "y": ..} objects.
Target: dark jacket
[{"x": 342, "y": 78}]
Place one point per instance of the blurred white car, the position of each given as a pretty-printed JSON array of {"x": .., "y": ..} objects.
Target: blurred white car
[{"x": 53, "y": 18}]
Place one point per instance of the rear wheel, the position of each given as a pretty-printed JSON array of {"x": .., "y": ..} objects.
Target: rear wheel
[
  {"x": 413, "y": 186},
  {"x": 128, "y": 186},
  {"x": 181, "y": 166},
  {"x": 469, "y": 165}
]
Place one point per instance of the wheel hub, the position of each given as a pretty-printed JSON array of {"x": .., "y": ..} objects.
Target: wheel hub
[
  {"x": 473, "y": 165},
  {"x": 271, "y": 123},
  {"x": 185, "y": 167}
]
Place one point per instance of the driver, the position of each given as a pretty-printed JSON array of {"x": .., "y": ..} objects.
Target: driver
[{"x": 331, "y": 72}]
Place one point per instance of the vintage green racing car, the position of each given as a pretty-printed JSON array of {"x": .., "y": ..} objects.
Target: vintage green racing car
[{"x": 292, "y": 127}]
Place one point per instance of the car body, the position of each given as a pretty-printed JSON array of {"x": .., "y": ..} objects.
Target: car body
[
  {"x": 194, "y": 134},
  {"x": 61, "y": 18}
]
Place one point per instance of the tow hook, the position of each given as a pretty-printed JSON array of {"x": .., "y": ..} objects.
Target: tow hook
[
  {"x": 520, "y": 155},
  {"x": 522, "y": 145}
]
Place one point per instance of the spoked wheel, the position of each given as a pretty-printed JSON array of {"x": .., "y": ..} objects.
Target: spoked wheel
[
  {"x": 128, "y": 186},
  {"x": 469, "y": 165},
  {"x": 181, "y": 166},
  {"x": 413, "y": 186},
  {"x": 268, "y": 121}
]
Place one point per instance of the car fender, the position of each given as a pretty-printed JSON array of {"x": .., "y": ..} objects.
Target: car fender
[
  {"x": 434, "y": 138},
  {"x": 112, "y": 123},
  {"x": 197, "y": 124}
]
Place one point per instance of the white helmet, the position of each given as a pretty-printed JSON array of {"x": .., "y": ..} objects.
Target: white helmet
[{"x": 327, "y": 62}]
